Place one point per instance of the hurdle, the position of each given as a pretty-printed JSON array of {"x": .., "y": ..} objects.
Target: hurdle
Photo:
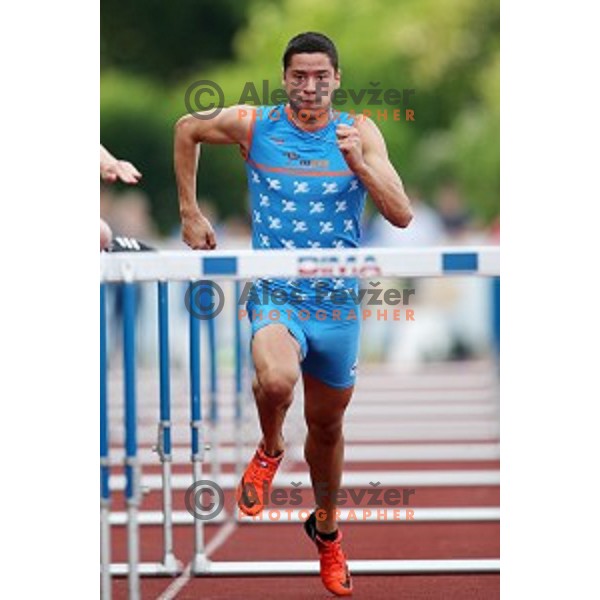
[
  {"x": 104, "y": 458},
  {"x": 162, "y": 267},
  {"x": 163, "y": 446}
]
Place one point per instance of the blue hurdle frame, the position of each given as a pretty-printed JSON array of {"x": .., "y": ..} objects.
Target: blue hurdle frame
[
  {"x": 104, "y": 457},
  {"x": 170, "y": 563},
  {"x": 479, "y": 261},
  {"x": 132, "y": 469}
]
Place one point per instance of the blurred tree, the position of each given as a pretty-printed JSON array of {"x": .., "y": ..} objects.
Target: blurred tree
[
  {"x": 167, "y": 40},
  {"x": 447, "y": 50}
]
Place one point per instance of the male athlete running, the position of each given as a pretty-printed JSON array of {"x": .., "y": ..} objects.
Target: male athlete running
[{"x": 309, "y": 170}]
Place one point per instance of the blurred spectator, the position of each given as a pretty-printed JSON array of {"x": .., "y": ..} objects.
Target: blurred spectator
[
  {"x": 454, "y": 214},
  {"x": 112, "y": 169},
  {"x": 451, "y": 320},
  {"x": 425, "y": 229},
  {"x": 494, "y": 231},
  {"x": 131, "y": 217}
]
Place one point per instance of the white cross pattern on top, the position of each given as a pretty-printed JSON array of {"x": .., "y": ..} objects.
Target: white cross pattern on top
[
  {"x": 301, "y": 187},
  {"x": 288, "y": 205},
  {"x": 299, "y": 226},
  {"x": 274, "y": 184},
  {"x": 330, "y": 188},
  {"x": 340, "y": 206},
  {"x": 326, "y": 227},
  {"x": 316, "y": 207},
  {"x": 274, "y": 222}
]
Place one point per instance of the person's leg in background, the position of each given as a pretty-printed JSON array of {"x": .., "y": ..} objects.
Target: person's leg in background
[{"x": 105, "y": 235}]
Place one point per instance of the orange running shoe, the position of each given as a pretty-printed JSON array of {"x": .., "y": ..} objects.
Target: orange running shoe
[
  {"x": 334, "y": 570},
  {"x": 256, "y": 482}
]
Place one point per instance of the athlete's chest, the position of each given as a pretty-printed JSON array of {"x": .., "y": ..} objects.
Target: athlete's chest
[{"x": 287, "y": 149}]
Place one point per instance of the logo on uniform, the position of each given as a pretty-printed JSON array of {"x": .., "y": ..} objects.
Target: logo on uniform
[
  {"x": 334, "y": 266},
  {"x": 307, "y": 163}
]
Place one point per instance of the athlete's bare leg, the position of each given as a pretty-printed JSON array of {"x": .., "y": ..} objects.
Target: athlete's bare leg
[
  {"x": 324, "y": 408},
  {"x": 276, "y": 355}
]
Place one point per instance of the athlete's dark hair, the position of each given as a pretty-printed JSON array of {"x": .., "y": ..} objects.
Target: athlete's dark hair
[{"x": 307, "y": 43}]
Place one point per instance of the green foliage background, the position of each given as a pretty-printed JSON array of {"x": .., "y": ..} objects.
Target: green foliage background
[{"x": 447, "y": 50}]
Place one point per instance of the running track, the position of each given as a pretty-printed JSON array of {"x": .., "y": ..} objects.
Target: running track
[{"x": 437, "y": 424}]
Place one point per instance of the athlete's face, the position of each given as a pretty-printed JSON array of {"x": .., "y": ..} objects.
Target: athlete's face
[{"x": 309, "y": 81}]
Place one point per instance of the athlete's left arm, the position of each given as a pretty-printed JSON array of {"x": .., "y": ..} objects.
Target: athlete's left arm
[{"x": 365, "y": 152}]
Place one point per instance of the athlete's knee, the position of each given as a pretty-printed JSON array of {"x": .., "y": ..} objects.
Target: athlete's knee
[
  {"x": 277, "y": 385},
  {"x": 327, "y": 433}
]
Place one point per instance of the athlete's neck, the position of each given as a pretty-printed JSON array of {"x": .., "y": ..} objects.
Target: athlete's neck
[{"x": 309, "y": 123}]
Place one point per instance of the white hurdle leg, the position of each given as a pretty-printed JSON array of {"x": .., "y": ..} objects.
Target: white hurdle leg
[{"x": 164, "y": 428}]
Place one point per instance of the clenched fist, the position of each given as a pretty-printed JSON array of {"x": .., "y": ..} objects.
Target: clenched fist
[
  {"x": 350, "y": 144},
  {"x": 197, "y": 232}
]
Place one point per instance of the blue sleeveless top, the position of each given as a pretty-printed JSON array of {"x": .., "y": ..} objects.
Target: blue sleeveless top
[{"x": 302, "y": 192}]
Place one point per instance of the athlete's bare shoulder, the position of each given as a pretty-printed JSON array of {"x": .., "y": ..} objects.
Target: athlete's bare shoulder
[{"x": 231, "y": 125}]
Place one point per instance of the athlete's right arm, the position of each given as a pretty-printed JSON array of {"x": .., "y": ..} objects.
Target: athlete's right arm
[{"x": 230, "y": 126}]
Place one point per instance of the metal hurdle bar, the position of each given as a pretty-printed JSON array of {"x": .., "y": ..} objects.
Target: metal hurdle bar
[
  {"x": 213, "y": 403},
  {"x": 190, "y": 266},
  {"x": 132, "y": 470},
  {"x": 238, "y": 403},
  {"x": 163, "y": 447},
  {"x": 104, "y": 458}
]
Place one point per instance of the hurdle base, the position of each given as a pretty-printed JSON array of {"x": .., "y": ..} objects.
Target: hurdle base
[
  {"x": 171, "y": 564},
  {"x": 202, "y": 567},
  {"x": 357, "y": 567},
  {"x": 148, "y": 569}
]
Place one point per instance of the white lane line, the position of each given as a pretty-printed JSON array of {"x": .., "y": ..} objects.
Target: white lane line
[
  {"x": 382, "y": 514},
  {"x": 177, "y": 585},
  {"x": 487, "y": 431},
  {"x": 354, "y": 410},
  {"x": 352, "y": 453},
  {"x": 382, "y": 380},
  {"x": 216, "y": 542},
  {"x": 350, "y": 479},
  {"x": 366, "y": 397}
]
